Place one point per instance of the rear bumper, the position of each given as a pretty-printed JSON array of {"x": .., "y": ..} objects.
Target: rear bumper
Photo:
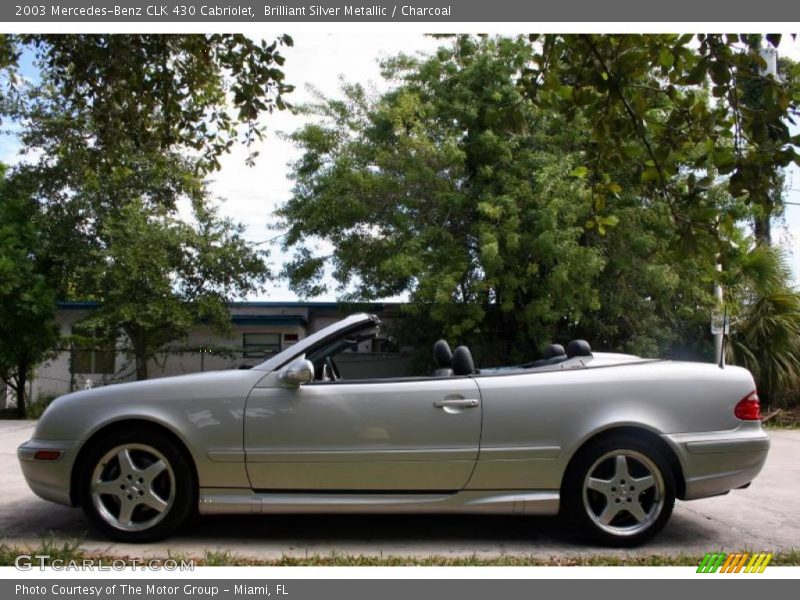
[
  {"x": 48, "y": 479},
  {"x": 716, "y": 462}
]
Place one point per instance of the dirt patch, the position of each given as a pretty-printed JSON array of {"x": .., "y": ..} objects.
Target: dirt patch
[{"x": 782, "y": 418}]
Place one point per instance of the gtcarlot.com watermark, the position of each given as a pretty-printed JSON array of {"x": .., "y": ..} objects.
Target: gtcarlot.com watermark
[{"x": 28, "y": 562}]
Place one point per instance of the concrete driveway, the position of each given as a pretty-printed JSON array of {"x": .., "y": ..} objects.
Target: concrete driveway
[{"x": 765, "y": 517}]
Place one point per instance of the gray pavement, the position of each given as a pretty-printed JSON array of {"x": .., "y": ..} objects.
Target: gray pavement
[{"x": 765, "y": 517}]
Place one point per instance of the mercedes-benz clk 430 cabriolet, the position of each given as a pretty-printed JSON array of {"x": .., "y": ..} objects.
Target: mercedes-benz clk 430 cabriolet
[{"x": 609, "y": 441}]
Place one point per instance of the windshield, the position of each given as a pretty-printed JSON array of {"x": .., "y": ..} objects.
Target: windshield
[
  {"x": 351, "y": 323},
  {"x": 323, "y": 354}
]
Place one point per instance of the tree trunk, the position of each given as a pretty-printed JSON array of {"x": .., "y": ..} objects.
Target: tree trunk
[
  {"x": 141, "y": 364},
  {"x": 767, "y": 208},
  {"x": 762, "y": 229},
  {"x": 22, "y": 380},
  {"x": 140, "y": 354}
]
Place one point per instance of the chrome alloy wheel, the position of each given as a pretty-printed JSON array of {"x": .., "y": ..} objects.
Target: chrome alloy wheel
[
  {"x": 623, "y": 492},
  {"x": 133, "y": 487}
]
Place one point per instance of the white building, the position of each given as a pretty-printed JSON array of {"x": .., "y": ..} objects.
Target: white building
[{"x": 258, "y": 330}]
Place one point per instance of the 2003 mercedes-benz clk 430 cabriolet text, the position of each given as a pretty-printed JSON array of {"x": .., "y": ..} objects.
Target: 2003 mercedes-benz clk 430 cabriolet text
[{"x": 607, "y": 440}]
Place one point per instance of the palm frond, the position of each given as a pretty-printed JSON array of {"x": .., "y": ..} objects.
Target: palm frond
[{"x": 765, "y": 336}]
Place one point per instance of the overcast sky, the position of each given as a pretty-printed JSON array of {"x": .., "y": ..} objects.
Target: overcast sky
[{"x": 250, "y": 194}]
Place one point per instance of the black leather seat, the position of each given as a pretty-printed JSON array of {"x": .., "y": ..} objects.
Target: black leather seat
[
  {"x": 443, "y": 357},
  {"x": 578, "y": 348},
  {"x": 462, "y": 361},
  {"x": 553, "y": 350}
]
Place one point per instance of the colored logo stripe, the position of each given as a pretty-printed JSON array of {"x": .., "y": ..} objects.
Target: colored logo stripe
[
  {"x": 726, "y": 566},
  {"x": 704, "y": 563},
  {"x": 759, "y": 564},
  {"x": 734, "y": 563},
  {"x": 740, "y": 564},
  {"x": 711, "y": 562}
]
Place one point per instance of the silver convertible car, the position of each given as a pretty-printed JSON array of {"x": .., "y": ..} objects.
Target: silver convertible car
[{"x": 609, "y": 441}]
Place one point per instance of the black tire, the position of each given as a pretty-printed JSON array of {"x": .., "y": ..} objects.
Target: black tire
[
  {"x": 177, "y": 481},
  {"x": 583, "y": 508}
]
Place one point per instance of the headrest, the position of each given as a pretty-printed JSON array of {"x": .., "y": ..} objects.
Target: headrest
[
  {"x": 579, "y": 348},
  {"x": 553, "y": 350},
  {"x": 462, "y": 361},
  {"x": 442, "y": 353}
]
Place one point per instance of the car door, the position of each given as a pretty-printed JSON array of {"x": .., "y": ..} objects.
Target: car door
[{"x": 369, "y": 435}]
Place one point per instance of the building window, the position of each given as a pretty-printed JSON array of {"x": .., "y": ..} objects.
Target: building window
[
  {"x": 289, "y": 339},
  {"x": 259, "y": 345},
  {"x": 92, "y": 353}
]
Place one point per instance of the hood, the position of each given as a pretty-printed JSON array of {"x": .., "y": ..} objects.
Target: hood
[
  {"x": 75, "y": 415},
  {"x": 231, "y": 382}
]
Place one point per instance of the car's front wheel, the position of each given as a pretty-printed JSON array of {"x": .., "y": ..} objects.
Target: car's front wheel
[
  {"x": 136, "y": 486},
  {"x": 619, "y": 491}
]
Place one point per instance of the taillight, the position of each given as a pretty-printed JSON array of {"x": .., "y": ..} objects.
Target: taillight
[{"x": 748, "y": 408}]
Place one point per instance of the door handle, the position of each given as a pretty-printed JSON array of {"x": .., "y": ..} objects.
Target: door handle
[{"x": 457, "y": 403}]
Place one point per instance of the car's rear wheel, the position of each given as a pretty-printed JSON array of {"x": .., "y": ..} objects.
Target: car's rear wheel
[
  {"x": 619, "y": 491},
  {"x": 136, "y": 486}
]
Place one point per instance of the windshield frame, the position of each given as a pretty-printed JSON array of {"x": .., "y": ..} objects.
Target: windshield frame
[{"x": 322, "y": 337}]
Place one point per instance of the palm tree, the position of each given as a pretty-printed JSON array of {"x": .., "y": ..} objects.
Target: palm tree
[{"x": 765, "y": 323}]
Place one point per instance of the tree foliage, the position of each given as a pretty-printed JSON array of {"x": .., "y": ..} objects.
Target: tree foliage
[
  {"x": 574, "y": 186},
  {"x": 114, "y": 118},
  {"x": 161, "y": 275},
  {"x": 143, "y": 92},
  {"x": 655, "y": 290},
  {"x": 765, "y": 321},
  {"x": 663, "y": 105},
  {"x": 455, "y": 188},
  {"x": 27, "y": 300},
  {"x": 429, "y": 190},
  {"x": 122, "y": 131}
]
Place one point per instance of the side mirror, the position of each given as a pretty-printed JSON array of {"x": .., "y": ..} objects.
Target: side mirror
[{"x": 297, "y": 373}]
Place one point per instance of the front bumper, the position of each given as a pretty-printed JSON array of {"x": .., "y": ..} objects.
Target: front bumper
[
  {"x": 717, "y": 462},
  {"x": 49, "y": 479}
]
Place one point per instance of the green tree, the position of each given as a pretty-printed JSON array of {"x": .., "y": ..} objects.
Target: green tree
[
  {"x": 124, "y": 129},
  {"x": 655, "y": 290},
  {"x": 146, "y": 91},
  {"x": 765, "y": 320},
  {"x": 8, "y": 54},
  {"x": 646, "y": 103},
  {"x": 162, "y": 275},
  {"x": 27, "y": 301},
  {"x": 431, "y": 190},
  {"x": 501, "y": 219},
  {"x": 113, "y": 118},
  {"x": 9, "y": 57}
]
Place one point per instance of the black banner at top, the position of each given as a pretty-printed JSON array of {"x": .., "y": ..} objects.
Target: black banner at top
[{"x": 442, "y": 11}]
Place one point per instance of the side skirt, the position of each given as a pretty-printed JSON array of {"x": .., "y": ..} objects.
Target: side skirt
[{"x": 238, "y": 501}]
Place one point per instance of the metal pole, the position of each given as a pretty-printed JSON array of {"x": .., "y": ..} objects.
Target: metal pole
[{"x": 721, "y": 332}]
